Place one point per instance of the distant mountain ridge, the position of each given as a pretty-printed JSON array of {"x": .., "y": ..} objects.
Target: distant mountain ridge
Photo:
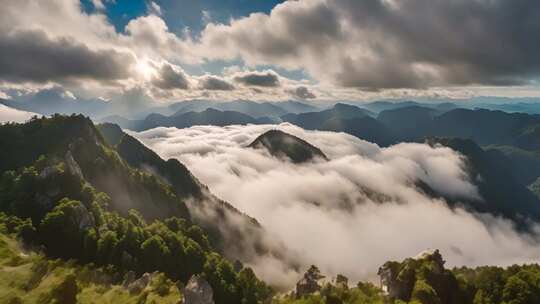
[
  {"x": 209, "y": 116},
  {"x": 53, "y": 101},
  {"x": 502, "y": 192},
  {"x": 379, "y": 106},
  {"x": 344, "y": 118},
  {"x": 486, "y": 127},
  {"x": 251, "y": 108}
]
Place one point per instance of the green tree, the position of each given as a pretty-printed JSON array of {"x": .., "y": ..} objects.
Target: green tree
[
  {"x": 63, "y": 230},
  {"x": 154, "y": 252}
]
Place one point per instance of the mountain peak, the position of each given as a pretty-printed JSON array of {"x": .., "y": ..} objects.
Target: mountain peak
[{"x": 279, "y": 144}]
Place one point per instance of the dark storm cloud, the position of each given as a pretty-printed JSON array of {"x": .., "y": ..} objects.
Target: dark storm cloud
[
  {"x": 171, "y": 78},
  {"x": 258, "y": 79},
  {"x": 215, "y": 83},
  {"x": 33, "y": 56},
  {"x": 302, "y": 93},
  {"x": 380, "y": 44}
]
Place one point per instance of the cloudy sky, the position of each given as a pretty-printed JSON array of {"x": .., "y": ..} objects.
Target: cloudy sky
[{"x": 169, "y": 50}]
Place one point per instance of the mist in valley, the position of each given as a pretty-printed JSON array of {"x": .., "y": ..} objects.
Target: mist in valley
[{"x": 350, "y": 214}]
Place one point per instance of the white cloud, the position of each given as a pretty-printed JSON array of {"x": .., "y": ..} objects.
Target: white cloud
[
  {"x": 375, "y": 45},
  {"x": 8, "y": 114},
  {"x": 155, "y": 8},
  {"x": 339, "y": 45},
  {"x": 348, "y": 215}
]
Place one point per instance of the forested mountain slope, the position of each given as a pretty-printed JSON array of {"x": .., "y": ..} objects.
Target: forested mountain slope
[{"x": 68, "y": 191}]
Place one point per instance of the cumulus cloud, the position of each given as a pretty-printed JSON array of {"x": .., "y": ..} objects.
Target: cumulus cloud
[
  {"x": 58, "y": 35},
  {"x": 8, "y": 114},
  {"x": 269, "y": 79},
  {"x": 33, "y": 56},
  {"x": 390, "y": 44},
  {"x": 380, "y": 46},
  {"x": 171, "y": 77},
  {"x": 149, "y": 36},
  {"x": 215, "y": 83},
  {"x": 302, "y": 93},
  {"x": 349, "y": 214}
]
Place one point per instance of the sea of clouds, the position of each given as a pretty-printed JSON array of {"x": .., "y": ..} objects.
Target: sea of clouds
[{"x": 349, "y": 214}]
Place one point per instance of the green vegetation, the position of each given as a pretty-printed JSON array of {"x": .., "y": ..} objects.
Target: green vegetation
[
  {"x": 513, "y": 285},
  {"x": 79, "y": 200},
  {"x": 138, "y": 156},
  {"x": 90, "y": 234},
  {"x": 73, "y": 145},
  {"x": 27, "y": 277},
  {"x": 424, "y": 280},
  {"x": 83, "y": 220},
  {"x": 338, "y": 294}
]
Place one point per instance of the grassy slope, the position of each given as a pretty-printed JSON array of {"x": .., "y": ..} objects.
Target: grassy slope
[{"x": 27, "y": 277}]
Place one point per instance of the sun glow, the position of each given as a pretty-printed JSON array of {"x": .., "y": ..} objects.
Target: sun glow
[{"x": 145, "y": 69}]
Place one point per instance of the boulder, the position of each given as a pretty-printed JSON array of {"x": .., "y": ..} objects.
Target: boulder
[
  {"x": 197, "y": 291},
  {"x": 48, "y": 171},
  {"x": 138, "y": 285},
  {"x": 129, "y": 278},
  {"x": 72, "y": 165}
]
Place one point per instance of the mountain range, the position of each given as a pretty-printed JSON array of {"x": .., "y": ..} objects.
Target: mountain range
[
  {"x": 94, "y": 194},
  {"x": 514, "y": 135},
  {"x": 51, "y": 101}
]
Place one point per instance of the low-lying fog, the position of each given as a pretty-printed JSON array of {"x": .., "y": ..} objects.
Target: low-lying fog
[{"x": 352, "y": 213}]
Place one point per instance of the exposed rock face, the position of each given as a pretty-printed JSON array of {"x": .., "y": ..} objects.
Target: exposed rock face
[
  {"x": 197, "y": 291},
  {"x": 72, "y": 165},
  {"x": 138, "y": 285},
  {"x": 130, "y": 277},
  {"x": 310, "y": 283},
  {"x": 48, "y": 171},
  {"x": 86, "y": 220}
]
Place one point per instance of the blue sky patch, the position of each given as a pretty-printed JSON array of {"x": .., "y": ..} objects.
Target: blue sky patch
[{"x": 181, "y": 14}]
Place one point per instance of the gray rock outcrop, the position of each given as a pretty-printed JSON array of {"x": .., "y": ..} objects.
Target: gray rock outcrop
[
  {"x": 138, "y": 285},
  {"x": 197, "y": 291}
]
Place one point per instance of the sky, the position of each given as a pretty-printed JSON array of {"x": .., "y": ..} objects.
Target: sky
[{"x": 159, "y": 51}]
